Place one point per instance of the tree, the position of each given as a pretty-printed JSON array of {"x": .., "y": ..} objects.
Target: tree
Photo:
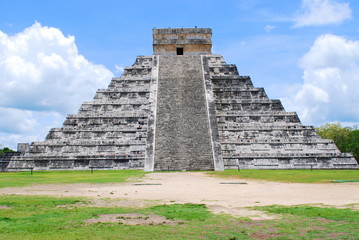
[
  {"x": 335, "y": 131},
  {"x": 346, "y": 138},
  {"x": 354, "y": 143},
  {"x": 4, "y": 150}
]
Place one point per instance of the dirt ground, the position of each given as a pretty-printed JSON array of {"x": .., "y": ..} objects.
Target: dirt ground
[
  {"x": 230, "y": 196},
  {"x": 133, "y": 219}
]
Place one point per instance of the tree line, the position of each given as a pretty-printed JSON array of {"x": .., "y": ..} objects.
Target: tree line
[
  {"x": 346, "y": 138},
  {"x": 4, "y": 150}
]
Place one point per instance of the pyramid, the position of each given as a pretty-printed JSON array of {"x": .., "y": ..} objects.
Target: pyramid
[{"x": 182, "y": 108}]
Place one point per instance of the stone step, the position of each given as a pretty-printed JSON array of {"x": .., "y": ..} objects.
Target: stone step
[
  {"x": 248, "y": 107},
  {"x": 104, "y": 115},
  {"x": 84, "y": 142},
  {"x": 254, "y": 155},
  {"x": 276, "y": 126},
  {"x": 121, "y": 129},
  {"x": 314, "y": 140},
  {"x": 247, "y": 101},
  {"x": 115, "y": 102}
]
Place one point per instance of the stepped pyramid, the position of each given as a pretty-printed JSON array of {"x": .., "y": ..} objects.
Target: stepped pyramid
[{"x": 182, "y": 108}]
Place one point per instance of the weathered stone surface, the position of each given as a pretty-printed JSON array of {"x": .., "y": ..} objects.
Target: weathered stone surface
[
  {"x": 190, "y": 112},
  {"x": 109, "y": 132},
  {"x": 183, "y": 139},
  {"x": 256, "y": 132},
  {"x": 192, "y": 41}
]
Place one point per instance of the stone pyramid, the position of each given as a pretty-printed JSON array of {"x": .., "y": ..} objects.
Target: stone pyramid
[{"x": 182, "y": 108}]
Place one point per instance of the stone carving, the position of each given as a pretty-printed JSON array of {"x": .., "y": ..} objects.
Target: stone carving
[{"x": 173, "y": 112}]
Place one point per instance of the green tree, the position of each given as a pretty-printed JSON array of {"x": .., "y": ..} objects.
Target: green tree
[
  {"x": 4, "y": 150},
  {"x": 335, "y": 131},
  {"x": 354, "y": 143},
  {"x": 346, "y": 138}
]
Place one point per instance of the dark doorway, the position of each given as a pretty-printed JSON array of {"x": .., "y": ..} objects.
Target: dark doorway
[{"x": 179, "y": 50}]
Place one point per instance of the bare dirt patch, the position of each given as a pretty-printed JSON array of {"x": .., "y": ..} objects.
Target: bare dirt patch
[
  {"x": 199, "y": 188},
  {"x": 133, "y": 219},
  {"x": 353, "y": 207},
  {"x": 264, "y": 236},
  {"x": 243, "y": 212},
  {"x": 4, "y": 207}
]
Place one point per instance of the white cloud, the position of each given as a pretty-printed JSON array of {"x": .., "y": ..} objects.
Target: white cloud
[
  {"x": 269, "y": 28},
  {"x": 119, "y": 69},
  {"x": 26, "y": 126},
  {"x": 16, "y": 120},
  {"x": 43, "y": 77},
  {"x": 322, "y": 12},
  {"x": 330, "y": 91}
]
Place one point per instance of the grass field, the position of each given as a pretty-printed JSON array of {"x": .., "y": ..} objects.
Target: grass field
[
  {"x": 34, "y": 217},
  {"x": 292, "y": 176},
  {"x": 18, "y": 179},
  {"x": 43, "y": 217}
]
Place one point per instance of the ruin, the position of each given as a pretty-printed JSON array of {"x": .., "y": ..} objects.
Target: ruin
[{"x": 182, "y": 108}]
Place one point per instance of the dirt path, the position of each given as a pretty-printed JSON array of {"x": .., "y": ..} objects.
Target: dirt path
[{"x": 220, "y": 195}]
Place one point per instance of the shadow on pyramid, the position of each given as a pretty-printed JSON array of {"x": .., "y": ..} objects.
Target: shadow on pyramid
[{"x": 182, "y": 108}]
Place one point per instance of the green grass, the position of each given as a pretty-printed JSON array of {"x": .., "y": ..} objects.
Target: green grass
[
  {"x": 187, "y": 212},
  {"x": 315, "y": 222},
  {"x": 38, "y": 217},
  {"x": 18, "y": 179},
  {"x": 34, "y": 217},
  {"x": 334, "y": 214},
  {"x": 293, "y": 176}
]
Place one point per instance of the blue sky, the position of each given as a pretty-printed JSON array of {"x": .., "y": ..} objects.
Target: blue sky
[{"x": 55, "y": 54}]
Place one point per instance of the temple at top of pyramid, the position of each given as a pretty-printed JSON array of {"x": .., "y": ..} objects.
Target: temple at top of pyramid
[
  {"x": 182, "y": 108},
  {"x": 182, "y": 41}
]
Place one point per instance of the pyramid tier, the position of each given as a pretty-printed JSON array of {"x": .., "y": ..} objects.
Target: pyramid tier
[{"x": 256, "y": 132}]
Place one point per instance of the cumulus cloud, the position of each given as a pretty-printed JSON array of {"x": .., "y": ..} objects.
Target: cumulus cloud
[
  {"x": 41, "y": 69},
  {"x": 330, "y": 91},
  {"x": 16, "y": 120},
  {"x": 42, "y": 76},
  {"x": 322, "y": 12}
]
